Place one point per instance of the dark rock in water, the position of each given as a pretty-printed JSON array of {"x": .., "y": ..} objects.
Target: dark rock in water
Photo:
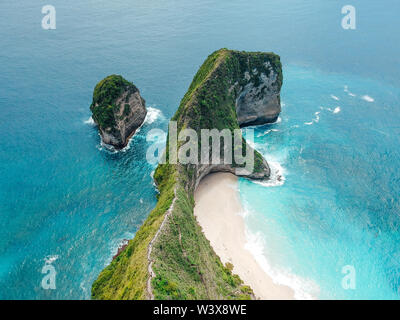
[{"x": 118, "y": 110}]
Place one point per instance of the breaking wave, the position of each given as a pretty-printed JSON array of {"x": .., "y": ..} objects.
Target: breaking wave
[
  {"x": 367, "y": 98},
  {"x": 90, "y": 122},
  {"x": 152, "y": 115},
  {"x": 276, "y": 178},
  {"x": 304, "y": 289}
]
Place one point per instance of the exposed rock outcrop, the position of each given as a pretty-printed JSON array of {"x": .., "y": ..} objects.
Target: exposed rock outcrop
[
  {"x": 259, "y": 100},
  {"x": 118, "y": 110}
]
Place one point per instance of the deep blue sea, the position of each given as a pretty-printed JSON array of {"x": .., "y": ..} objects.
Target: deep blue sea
[{"x": 67, "y": 201}]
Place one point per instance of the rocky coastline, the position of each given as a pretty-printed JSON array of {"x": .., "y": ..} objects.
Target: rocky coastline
[{"x": 118, "y": 110}]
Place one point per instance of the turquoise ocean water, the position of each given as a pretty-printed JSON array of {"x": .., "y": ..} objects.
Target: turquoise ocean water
[{"x": 65, "y": 199}]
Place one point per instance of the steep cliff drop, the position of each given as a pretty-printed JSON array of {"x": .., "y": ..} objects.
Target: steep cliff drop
[
  {"x": 170, "y": 258},
  {"x": 118, "y": 110},
  {"x": 259, "y": 100}
]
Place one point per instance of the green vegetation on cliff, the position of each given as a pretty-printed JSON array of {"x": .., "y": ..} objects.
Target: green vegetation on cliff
[
  {"x": 105, "y": 95},
  {"x": 184, "y": 263},
  {"x": 126, "y": 276},
  {"x": 210, "y": 100}
]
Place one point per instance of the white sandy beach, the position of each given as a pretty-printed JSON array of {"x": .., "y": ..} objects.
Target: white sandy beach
[{"x": 218, "y": 212}]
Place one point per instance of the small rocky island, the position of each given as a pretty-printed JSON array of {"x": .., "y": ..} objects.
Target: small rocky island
[{"x": 118, "y": 110}]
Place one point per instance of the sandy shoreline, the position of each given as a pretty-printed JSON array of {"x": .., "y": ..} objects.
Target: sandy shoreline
[{"x": 217, "y": 211}]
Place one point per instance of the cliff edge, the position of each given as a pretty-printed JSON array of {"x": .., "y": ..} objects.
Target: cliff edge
[{"x": 170, "y": 258}]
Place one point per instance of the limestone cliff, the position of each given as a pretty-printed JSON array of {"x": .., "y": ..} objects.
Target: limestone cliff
[
  {"x": 118, "y": 110},
  {"x": 258, "y": 102},
  {"x": 170, "y": 258}
]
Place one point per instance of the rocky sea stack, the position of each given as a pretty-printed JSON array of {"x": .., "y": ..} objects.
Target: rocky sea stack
[{"x": 118, "y": 110}]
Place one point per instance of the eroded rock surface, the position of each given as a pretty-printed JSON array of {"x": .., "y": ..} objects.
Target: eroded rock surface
[
  {"x": 118, "y": 110},
  {"x": 259, "y": 102}
]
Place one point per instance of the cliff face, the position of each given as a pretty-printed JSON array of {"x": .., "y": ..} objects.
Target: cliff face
[
  {"x": 170, "y": 258},
  {"x": 259, "y": 102},
  {"x": 118, "y": 110}
]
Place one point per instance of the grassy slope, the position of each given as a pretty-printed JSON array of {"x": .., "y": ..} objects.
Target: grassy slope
[
  {"x": 126, "y": 276},
  {"x": 184, "y": 262}
]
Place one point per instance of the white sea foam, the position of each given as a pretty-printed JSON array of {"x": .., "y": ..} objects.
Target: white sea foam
[
  {"x": 304, "y": 289},
  {"x": 152, "y": 115},
  {"x": 367, "y": 98},
  {"x": 51, "y": 258},
  {"x": 154, "y": 182},
  {"x": 346, "y": 89},
  {"x": 334, "y": 97},
  {"x": 83, "y": 287},
  {"x": 267, "y": 132},
  {"x": 334, "y": 111},
  {"x": 109, "y": 148},
  {"x": 276, "y": 178},
  {"x": 315, "y": 120},
  {"x": 90, "y": 122},
  {"x": 252, "y": 144}
]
